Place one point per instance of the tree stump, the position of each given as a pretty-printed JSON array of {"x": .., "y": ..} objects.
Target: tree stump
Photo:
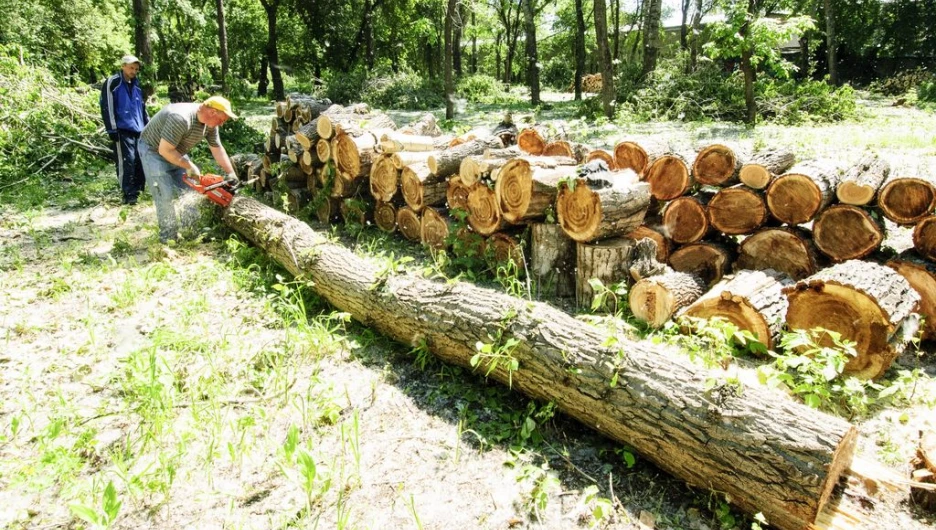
[
  {"x": 843, "y": 232},
  {"x": 788, "y": 250},
  {"x": 716, "y": 165},
  {"x": 737, "y": 210},
  {"x": 866, "y": 303},
  {"x": 552, "y": 260},
  {"x": 590, "y": 215},
  {"x": 608, "y": 261},
  {"x": 751, "y": 300},
  {"x": 907, "y": 200},
  {"x": 656, "y": 299},
  {"x": 860, "y": 183},
  {"x": 799, "y": 195}
]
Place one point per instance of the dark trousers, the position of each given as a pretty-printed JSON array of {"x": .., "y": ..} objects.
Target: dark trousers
[{"x": 129, "y": 168}]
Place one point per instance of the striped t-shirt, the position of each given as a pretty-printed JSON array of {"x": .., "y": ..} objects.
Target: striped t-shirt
[{"x": 178, "y": 124}]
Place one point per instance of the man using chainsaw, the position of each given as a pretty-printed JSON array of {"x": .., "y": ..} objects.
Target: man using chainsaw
[{"x": 164, "y": 145}]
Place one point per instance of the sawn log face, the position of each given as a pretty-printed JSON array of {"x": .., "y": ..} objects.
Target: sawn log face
[{"x": 768, "y": 453}]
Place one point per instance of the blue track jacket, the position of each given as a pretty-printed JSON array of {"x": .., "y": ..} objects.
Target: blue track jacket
[{"x": 122, "y": 105}]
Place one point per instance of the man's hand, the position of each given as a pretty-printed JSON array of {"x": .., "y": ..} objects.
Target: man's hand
[
  {"x": 231, "y": 179},
  {"x": 193, "y": 170}
]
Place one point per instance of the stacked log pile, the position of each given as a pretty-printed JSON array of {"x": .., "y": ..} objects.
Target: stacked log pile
[{"x": 568, "y": 215}]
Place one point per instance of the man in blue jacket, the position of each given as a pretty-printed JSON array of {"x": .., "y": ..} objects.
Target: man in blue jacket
[{"x": 124, "y": 114}]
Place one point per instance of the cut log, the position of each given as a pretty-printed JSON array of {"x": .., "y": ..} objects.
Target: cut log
[
  {"x": 767, "y": 454},
  {"x": 907, "y": 200},
  {"x": 513, "y": 189},
  {"x": 425, "y": 125},
  {"x": 385, "y": 214},
  {"x": 921, "y": 274},
  {"x": 242, "y": 163},
  {"x": 924, "y": 237},
  {"x": 327, "y": 209},
  {"x": 716, "y": 165},
  {"x": 447, "y": 162},
  {"x": 393, "y": 142},
  {"x": 323, "y": 152},
  {"x": 601, "y": 154},
  {"x": 668, "y": 177},
  {"x": 531, "y": 141},
  {"x": 708, "y": 260},
  {"x": 354, "y": 155},
  {"x": 434, "y": 228},
  {"x": 558, "y": 148},
  {"x": 843, "y": 232},
  {"x": 506, "y": 250},
  {"x": 685, "y": 219},
  {"x": 608, "y": 261},
  {"x": 384, "y": 179},
  {"x": 354, "y": 123},
  {"x": 869, "y": 304},
  {"x": 656, "y": 299},
  {"x": 860, "y": 183},
  {"x": 409, "y": 224},
  {"x": 923, "y": 476},
  {"x": 799, "y": 195},
  {"x": 758, "y": 172},
  {"x": 751, "y": 300},
  {"x": 356, "y": 212},
  {"x": 638, "y": 157},
  {"x": 469, "y": 171},
  {"x": 317, "y": 129},
  {"x": 788, "y": 250},
  {"x": 552, "y": 261},
  {"x": 737, "y": 210},
  {"x": 421, "y": 187},
  {"x": 456, "y": 194},
  {"x": 293, "y": 148},
  {"x": 663, "y": 243},
  {"x": 484, "y": 217},
  {"x": 644, "y": 262},
  {"x": 590, "y": 215}
]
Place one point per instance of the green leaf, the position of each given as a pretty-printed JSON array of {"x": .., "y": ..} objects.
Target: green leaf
[{"x": 85, "y": 513}]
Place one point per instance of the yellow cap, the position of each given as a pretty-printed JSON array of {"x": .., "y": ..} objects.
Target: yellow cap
[{"x": 222, "y": 104}]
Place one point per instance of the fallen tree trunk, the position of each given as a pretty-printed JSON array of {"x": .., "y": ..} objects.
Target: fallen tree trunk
[{"x": 767, "y": 454}]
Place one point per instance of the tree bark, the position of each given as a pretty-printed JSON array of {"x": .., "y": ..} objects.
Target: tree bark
[
  {"x": 767, "y": 454},
  {"x": 866, "y": 303},
  {"x": 751, "y": 300},
  {"x": 604, "y": 58},
  {"x": 608, "y": 261},
  {"x": 843, "y": 232},
  {"x": 448, "y": 161},
  {"x": 552, "y": 261},
  {"x": 652, "y": 41}
]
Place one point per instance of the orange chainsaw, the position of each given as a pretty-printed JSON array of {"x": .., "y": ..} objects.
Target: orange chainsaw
[{"x": 215, "y": 187}]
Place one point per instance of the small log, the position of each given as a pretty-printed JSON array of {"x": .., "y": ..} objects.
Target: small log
[
  {"x": 434, "y": 228},
  {"x": 448, "y": 161},
  {"x": 344, "y": 185},
  {"x": 293, "y": 148},
  {"x": 866, "y": 303},
  {"x": 506, "y": 250},
  {"x": 384, "y": 179},
  {"x": 484, "y": 216},
  {"x": 708, "y": 260},
  {"x": 668, "y": 177},
  {"x": 469, "y": 171},
  {"x": 354, "y": 155},
  {"x": 456, "y": 194},
  {"x": 860, "y": 183},
  {"x": 843, "y": 232},
  {"x": 608, "y": 261},
  {"x": 751, "y": 300},
  {"x": 385, "y": 215},
  {"x": 760, "y": 170},
  {"x": 631, "y": 155},
  {"x": 590, "y": 215},
  {"x": 799, "y": 195},
  {"x": 654, "y": 300},
  {"x": 491, "y": 167},
  {"x": 397, "y": 141},
  {"x": 685, "y": 219},
  {"x": 323, "y": 152},
  {"x": 531, "y": 141},
  {"x": 907, "y": 200},
  {"x": 644, "y": 262},
  {"x": 355, "y": 123},
  {"x": 513, "y": 189},
  {"x": 924, "y": 472},
  {"x": 356, "y": 211},
  {"x": 327, "y": 209},
  {"x": 716, "y": 165},
  {"x": 768, "y": 455},
  {"x": 421, "y": 187},
  {"x": 921, "y": 275},
  {"x": 425, "y": 125},
  {"x": 601, "y": 154},
  {"x": 737, "y": 210},
  {"x": 552, "y": 260},
  {"x": 558, "y": 148},
  {"x": 409, "y": 224},
  {"x": 317, "y": 129},
  {"x": 788, "y": 250},
  {"x": 924, "y": 237},
  {"x": 663, "y": 243}
]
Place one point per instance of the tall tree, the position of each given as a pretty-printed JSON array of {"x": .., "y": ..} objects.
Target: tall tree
[
  {"x": 141, "y": 41},
  {"x": 474, "y": 44},
  {"x": 223, "y": 46},
  {"x": 457, "y": 31},
  {"x": 747, "y": 68},
  {"x": 532, "y": 68},
  {"x": 508, "y": 13},
  {"x": 263, "y": 82},
  {"x": 271, "y": 7},
  {"x": 651, "y": 35},
  {"x": 449, "y": 80},
  {"x": 604, "y": 55},
  {"x": 579, "y": 48},
  {"x": 831, "y": 42}
]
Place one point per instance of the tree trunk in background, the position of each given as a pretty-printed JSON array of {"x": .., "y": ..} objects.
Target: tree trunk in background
[
  {"x": 652, "y": 36},
  {"x": 449, "y": 81},
  {"x": 223, "y": 47},
  {"x": 263, "y": 82},
  {"x": 460, "y": 14},
  {"x": 683, "y": 28},
  {"x": 142, "y": 45},
  {"x": 532, "y": 70},
  {"x": 579, "y": 48},
  {"x": 604, "y": 54},
  {"x": 746, "y": 67},
  {"x": 497, "y": 56},
  {"x": 830, "y": 42},
  {"x": 616, "y": 16},
  {"x": 271, "y": 6},
  {"x": 474, "y": 47},
  {"x": 695, "y": 42}
]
